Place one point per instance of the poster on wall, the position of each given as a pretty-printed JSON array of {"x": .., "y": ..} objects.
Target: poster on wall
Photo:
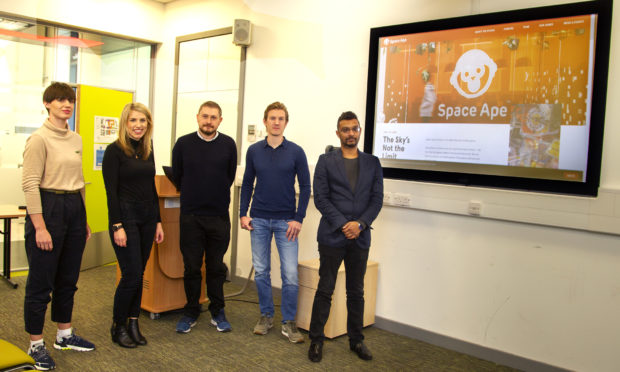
[
  {"x": 98, "y": 151},
  {"x": 106, "y": 129}
]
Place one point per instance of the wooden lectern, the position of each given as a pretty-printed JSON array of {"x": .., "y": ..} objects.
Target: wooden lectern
[{"x": 162, "y": 287}]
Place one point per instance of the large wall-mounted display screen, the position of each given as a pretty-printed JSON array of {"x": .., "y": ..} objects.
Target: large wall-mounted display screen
[{"x": 513, "y": 99}]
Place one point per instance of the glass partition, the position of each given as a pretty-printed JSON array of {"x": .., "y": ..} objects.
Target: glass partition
[{"x": 32, "y": 55}]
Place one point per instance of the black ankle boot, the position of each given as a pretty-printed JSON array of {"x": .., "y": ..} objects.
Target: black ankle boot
[
  {"x": 113, "y": 332},
  {"x": 134, "y": 332},
  {"x": 120, "y": 335}
]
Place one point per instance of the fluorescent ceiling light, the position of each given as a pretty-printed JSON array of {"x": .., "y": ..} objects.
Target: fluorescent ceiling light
[{"x": 9, "y": 24}]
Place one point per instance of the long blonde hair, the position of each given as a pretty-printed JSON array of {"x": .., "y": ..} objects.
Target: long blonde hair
[{"x": 124, "y": 141}]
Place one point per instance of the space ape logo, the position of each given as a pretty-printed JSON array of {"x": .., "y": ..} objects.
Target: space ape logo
[
  {"x": 473, "y": 73},
  {"x": 472, "y": 77}
]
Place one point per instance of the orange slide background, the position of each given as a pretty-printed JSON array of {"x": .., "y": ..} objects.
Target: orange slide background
[{"x": 539, "y": 62}]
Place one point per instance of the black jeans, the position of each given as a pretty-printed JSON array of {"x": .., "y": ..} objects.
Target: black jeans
[
  {"x": 355, "y": 260},
  {"x": 54, "y": 272},
  {"x": 139, "y": 222},
  {"x": 206, "y": 236}
]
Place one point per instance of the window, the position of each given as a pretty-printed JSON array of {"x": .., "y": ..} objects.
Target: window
[{"x": 32, "y": 55}]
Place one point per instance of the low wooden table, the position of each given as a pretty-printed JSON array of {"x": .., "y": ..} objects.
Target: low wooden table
[
  {"x": 8, "y": 213},
  {"x": 337, "y": 322}
]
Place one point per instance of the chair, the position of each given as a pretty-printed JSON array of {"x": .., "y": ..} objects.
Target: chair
[
  {"x": 330, "y": 148},
  {"x": 13, "y": 358}
]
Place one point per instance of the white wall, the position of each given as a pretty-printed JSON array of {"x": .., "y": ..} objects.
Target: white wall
[{"x": 545, "y": 293}]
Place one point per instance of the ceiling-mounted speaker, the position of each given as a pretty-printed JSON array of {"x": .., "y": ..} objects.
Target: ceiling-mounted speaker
[{"x": 242, "y": 32}]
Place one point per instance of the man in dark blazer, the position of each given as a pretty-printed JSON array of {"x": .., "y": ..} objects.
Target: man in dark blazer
[{"x": 348, "y": 191}]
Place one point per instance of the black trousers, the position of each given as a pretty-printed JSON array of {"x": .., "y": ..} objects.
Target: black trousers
[
  {"x": 139, "y": 222},
  {"x": 208, "y": 237},
  {"x": 54, "y": 272},
  {"x": 355, "y": 260}
]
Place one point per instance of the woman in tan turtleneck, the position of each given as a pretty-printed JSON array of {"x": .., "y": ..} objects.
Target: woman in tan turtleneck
[{"x": 56, "y": 230}]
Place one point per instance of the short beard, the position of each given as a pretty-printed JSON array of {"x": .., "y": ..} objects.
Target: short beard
[
  {"x": 345, "y": 144},
  {"x": 207, "y": 133}
]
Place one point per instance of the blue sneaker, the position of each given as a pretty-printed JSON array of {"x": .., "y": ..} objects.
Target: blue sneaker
[
  {"x": 74, "y": 342},
  {"x": 185, "y": 324},
  {"x": 42, "y": 359},
  {"x": 220, "y": 322}
]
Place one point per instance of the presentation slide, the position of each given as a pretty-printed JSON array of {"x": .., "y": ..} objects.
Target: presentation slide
[{"x": 511, "y": 98}]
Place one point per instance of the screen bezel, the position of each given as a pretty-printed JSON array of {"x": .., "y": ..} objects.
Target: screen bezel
[{"x": 603, "y": 9}]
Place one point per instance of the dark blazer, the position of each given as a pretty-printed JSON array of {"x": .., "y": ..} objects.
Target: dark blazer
[{"x": 338, "y": 204}]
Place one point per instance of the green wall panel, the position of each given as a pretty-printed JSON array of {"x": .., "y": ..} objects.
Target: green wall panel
[{"x": 94, "y": 101}]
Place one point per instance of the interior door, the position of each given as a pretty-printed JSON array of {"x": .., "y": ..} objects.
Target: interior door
[{"x": 208, "y": 69}]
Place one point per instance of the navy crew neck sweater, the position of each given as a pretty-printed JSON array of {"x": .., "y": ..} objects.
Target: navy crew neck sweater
[
  {"x": 273, "y": 197},
  {"x": 204, "y": 171}
]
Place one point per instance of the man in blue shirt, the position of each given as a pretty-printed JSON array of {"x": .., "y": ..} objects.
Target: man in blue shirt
[{"x": 274, "y": 162}]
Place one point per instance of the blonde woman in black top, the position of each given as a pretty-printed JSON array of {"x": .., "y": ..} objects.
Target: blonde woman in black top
[{"x": 133, "y": 213}]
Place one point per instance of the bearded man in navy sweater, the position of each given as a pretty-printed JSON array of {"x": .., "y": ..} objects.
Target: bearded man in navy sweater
[
  {"x": 275, "y": 162},
  {"x": 204, "y": 165}
]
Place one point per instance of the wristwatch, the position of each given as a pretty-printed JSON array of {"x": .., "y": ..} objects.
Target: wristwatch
[
  {"x": 360, "y": 226},
  {"x": 117, "y": 227}
]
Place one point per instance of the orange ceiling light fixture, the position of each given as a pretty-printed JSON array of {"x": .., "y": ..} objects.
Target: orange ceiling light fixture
[{"x": 60, "y": 40}]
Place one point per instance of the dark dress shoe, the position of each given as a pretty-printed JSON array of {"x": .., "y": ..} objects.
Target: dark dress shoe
[
  {"x": 315, "y": 353},
  {"x": 121, "y": 336},
  {"x": 362, "y": 351},
  {"x": 134, "y": 332}
]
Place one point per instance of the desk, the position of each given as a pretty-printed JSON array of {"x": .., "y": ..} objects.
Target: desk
[{"x": 7, "y": 213}]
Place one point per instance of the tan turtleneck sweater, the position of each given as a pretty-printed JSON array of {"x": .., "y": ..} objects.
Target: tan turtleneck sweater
[{"x": 52, "y": 160}]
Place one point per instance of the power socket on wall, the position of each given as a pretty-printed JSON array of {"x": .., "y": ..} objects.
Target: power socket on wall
[
  {"x": 401, "y": 199},
  {"x": 387, "y": 198},
  {"x": 474, "y": 208},
  {"x": 397, "y": 199}
]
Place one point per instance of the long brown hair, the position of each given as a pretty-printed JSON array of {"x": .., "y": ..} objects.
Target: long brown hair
[{"x": 124, "y": 141}]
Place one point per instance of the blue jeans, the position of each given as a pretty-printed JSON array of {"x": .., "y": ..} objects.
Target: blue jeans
[{"x": 264, "y": 229}]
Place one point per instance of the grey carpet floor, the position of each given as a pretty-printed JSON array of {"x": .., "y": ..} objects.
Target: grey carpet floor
[{"x": 205, "y": 349}]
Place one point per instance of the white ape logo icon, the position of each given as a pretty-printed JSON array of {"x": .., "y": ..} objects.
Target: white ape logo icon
[{"x": 470, "y": 69}]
